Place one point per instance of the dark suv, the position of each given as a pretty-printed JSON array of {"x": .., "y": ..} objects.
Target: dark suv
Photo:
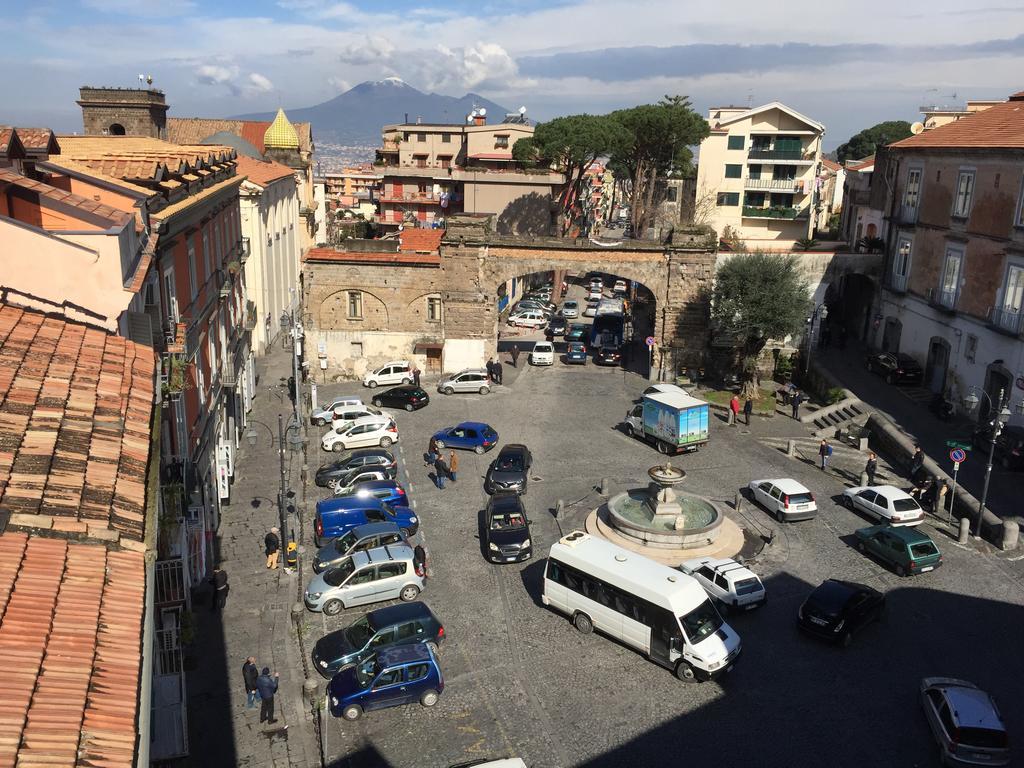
[
  {"x": 506, "y": 529},
  {"x": 356, "y": 459},
  {"x": 510, "y": 471},
  {"x": 1009, "y": 445},
  {"x": 895, "y": 368}
]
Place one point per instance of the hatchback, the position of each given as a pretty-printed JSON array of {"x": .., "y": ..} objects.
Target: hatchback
[
  {"x": 898, "y": 368},
  {"x": 348, "y": 414},
  {"x": 506, "y": 529},
  {"x": 836, "y": 609},
  {"x": 389, "y": 678},
  {"x": 728, "y": 583},
  {"x": 591, "y": 310},
  {"x": 389, "y": 491},
  {"x": 395, "y": 372},
  {"x": 402, "y": 624},
  {"x": 596, "y": 294},
  {"x": 362, "y": 433},
  {"x": 337, "y": 515},
  {"x": 576, "y": 353},
  {"x": 556, "y": 327},
  {"x": 570, "y": 309},
  {"x": 886, "y": 502},
  {"x": 361, "y": 457},
  {"x": 907, "y": 550},
  {"x": 467, "y": 436},
  {"x": 322, "y": 416},
  {"x": 469, "y": 380},
  {"x": 510, "y": 471},
  {"x": 528, "y": 319},
  {"x": 619, "y": 287},
  {"x": 577, "y": 332},
  {"x": 369, "y": 536},
  {"x": 543, "y": 353},
  {"x": 367, "y": 576},
  {"x": 345, "y": 484},
  {"x": 410, "y": 397},
  {"x": 785, "y": 498},
  {"x": 965, "y": 722},
  {"x": 608, "y": 354}
]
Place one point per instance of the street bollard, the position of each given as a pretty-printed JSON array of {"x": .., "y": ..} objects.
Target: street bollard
[
  {"x": 298, "y": 611},
  {"x": 604, "y": 486},
  {"x": 559, "y": 509},
  {"x": 791, "y": 449},
  {"x": 739, "y": 500},
  {"x": 1011, "y": 534},
  {"x": 965, "y": 530},
  {"x": 863, "y": 478},
  {"x": 304, "y": 474},
  {"x": 311, "y": 688}
]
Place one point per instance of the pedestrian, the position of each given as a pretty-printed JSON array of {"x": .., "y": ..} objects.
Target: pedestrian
[
  {"x": 795, "y": 401},
  {"x": 272, "y": 546},
  {"x": 416, "y": 376},
  {"x": 871, "y": 467},
  {"x": 824, "y": 451},
  {"x": 748, "y": 408},
  {"x": 266, "y": 685},
  {"x": 515, "y": 355},
  {"x": 249, "y": 675},
  {"x": 431, "y": 456},
  {"x": 490, "y": 369},
  {"x": 219, "y": 581},
  {"x": 499, "y": 372},
  {"x": 453, "y": 465},
  {"x": 940, "y": 497},
  {"x": 440, "y": 472},
  {"x": 734, "y": 410},
  {"x": 916, "y": 465}
]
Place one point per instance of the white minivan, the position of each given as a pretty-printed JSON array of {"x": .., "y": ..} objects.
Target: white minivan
[
  {"x": 543, "y": 353},
  {"x": 395, "y": 372}
]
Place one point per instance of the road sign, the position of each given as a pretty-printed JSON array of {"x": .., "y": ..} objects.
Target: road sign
[
  {"x": 958, "y": 444},
  {"x": 958, "y": 455},
  {"x": 956, "y": 466},
  {"x": 650, "y": 341}
]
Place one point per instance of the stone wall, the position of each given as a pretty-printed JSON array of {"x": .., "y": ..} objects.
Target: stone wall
[{"x": 140, "y": 111}]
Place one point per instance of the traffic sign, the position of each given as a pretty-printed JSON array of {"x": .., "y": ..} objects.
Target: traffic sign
[
  {"x": 958, "y": 444},
  {"x": 958, "y": 455},
  {"x": 650, "y": 341}
]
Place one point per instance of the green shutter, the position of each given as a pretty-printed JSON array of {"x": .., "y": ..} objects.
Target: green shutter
[
  {"x": 733, "y": 171},
  {"x": 728, "y": 198},
  {"x": 736, "y": 142}
]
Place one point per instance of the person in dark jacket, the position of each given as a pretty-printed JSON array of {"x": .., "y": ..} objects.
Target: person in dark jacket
[
  {"x": 515, "y": 355},
  {"x": 249, "y": 675},
  {"x": 748, "y": 408},
  {"x": 498, "y": 372},
  {"x": 266, "y": 684},
  {"x": 824, "y": 453},
  {"x": 795, "y": 401},
  {"x": 440, "y": 472},
  {"x": 871, "y": 467},
  {"x": 917, "y": 465},
  {"x": 272, "y": 546},
  {"x": 219, "y": 582},
  {"x": 490, "y": 369}
]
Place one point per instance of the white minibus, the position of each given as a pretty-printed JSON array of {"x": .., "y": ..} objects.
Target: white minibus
[{"x": 657, "y": 610}]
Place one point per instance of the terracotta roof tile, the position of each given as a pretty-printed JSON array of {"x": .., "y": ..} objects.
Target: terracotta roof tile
[
  {"x": 999, "y": 127},
  {"x": 354, "y": 257},
  {"x": 262, "y": 172},
  {"x": 39, "y": 140},
  {"x": 47, "y": 193},
  {"x": 193, "y": 130},
  {"x": 421, "y": 240}
]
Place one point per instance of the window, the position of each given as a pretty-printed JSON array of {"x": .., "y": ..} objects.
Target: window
[
  {"x": 971, "y": 348},
  {"x": 950, "y": 277},
  {"x": 200, "y": 382},
  {"x": 421, "y": 161},
  {"x": 913, "y": 191},
  {"x": 728, "y": 198},
  {"x": 501, "y": 142},
  {"x": 1019, "y": 219},
  {"x": 364, "y": 576},
  {"x": 1013, "y": 293},
  {"x": 421, "y": 137},
  {"x": 671, "y": 194},
  {"x": 753, "y": 171},
  {"x": 446, "y": 138},
  {"x": 391, "y": 570},
  {"x": 733, "y": 170},
  {"x": 784, "y": 172},
  {"x": 172, "y": 300},
  {"x": 389, "y": 677},
  {"x": 736, "y": 142},
  {"x": 964, "y": 194},
  {"x": 356, "y": 349},
  {"x": 355, "y": 305},
  {"x": 445, "y": 160},
  {"x": 434, "y": 309},
  {"x": 901, "y": 264},
  {"x": 407, "y": 630},
  {"x": 417, "y": 672},
  {"x": 192, "y": 282},
  {"x": 206, "y": 256}
]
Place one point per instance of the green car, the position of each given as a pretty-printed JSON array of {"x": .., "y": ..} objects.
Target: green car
[
  {"x": 907, "y": 550},
  {"x": 576, "y": 332}
]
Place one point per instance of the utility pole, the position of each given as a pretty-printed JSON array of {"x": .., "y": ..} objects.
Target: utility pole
[{"x": 281, "y": 496}]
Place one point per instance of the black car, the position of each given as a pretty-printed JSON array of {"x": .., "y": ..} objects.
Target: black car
[
  {"x": 1009, "y": 452},
  {"x": 556, "y": 327},
  {"x": 510, "y": 471},
  {"x": 409, "y": 397},
  {"x": 895, "y": 368},
  {"x": 401, "y": 624},
  {"x": 356, "y": 459},
  {"x": 608, "y": 354},
  {"x": 506, "y": 529},
  {"x": 838, "y": 609}
]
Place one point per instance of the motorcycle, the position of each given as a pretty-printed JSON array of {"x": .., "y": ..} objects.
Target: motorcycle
[{"x": 942, "y": 407}]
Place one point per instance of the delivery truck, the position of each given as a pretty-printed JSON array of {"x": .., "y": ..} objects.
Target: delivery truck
[{"x": 672, "y": 421}]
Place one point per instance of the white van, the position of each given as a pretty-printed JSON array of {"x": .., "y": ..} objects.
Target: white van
[
  {"x": 395, "y": 372},
  {"x": 543, "y": 353},
  {"x": 662, "y": 613}
]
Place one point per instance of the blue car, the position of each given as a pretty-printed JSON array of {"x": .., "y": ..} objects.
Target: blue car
[
  {"x": 576, "y": 353},
  {"x": 399, "y": 675},
  {"x": 468, "y": 436},
  {"x": 338, "y": 515},
  {"x": 390, "y": 491}
]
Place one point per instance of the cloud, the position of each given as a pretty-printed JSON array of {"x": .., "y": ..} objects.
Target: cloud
[
  {"x": 259, "y": 84},
  {"x": 154, "y": 8},
  {"x": 217, "y": 74},
  {"x": 373, "y": 50},
  {"x": 300, "y": 52},
  {"x": 339, "y": 84},
  {"x": 480, "y": 65}
]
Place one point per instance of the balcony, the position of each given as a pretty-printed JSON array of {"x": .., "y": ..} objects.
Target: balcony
[
  {"x": 898, "y": 283},
  {"x": 250, "y": 315},
  {"x": 1006, "y": 320},
  {"x": 779, "y": 185},
  {"x": 775, "y": 212},
  {"x": 228, "y": 374},
  {"x": 783, "y": 155},
  {"x": 943, "y": 300},
  {"x": 243, "y": 249}
]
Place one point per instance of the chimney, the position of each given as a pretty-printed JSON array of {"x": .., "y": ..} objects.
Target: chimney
[
  {"x": 479, "y": 119},
  {"x": 406, "y": 118}
]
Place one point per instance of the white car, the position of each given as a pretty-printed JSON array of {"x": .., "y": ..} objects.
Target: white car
[
  {"x": 785, "y": 498},
  {"x": 570, "y": 309},
  {"x": 728, "y": 583},
  {"x": 664, "y": 388},
  {"x": 529, "y": 319},
  {"x": 365, "y": 476},
  {"x": 620, "y": 286},
  {"x": 365, "y": 432},
  {"x": 595, "y": 294},
  {"x": 591, "y": 310},
  {"x": 395, "y": 372},
  {"x": 543, "y": 353},
  {"x": 321, "y": 416},
  {"x": 886, "y": 502},
  {"x": 344, "y": 415}
]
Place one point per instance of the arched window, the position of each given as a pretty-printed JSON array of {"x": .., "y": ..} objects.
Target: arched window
[{"x": 116, "y": 129}]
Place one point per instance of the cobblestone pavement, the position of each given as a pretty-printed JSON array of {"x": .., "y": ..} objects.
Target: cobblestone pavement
[{"x": 521, "y": 681}]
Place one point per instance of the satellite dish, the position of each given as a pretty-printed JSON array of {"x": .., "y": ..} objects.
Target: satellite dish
[
  {"x": 916, "y": 128},
  {"x": 469, "y": 119},
  {"x": 482, "y": 111},
  {"x": 522, "y": 110}
]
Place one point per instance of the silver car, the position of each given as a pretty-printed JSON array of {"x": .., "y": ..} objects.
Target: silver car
[
  {"x": 965, "y": 722},
  {"x": 469, "y": 380},
  {"x": 370, "y": 576}
]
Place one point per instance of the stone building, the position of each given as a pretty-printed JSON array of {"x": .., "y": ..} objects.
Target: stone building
[{"x": 123, "y": 112}]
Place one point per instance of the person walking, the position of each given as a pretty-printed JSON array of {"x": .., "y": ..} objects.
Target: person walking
[
  {"x": 416, "y": 376},
  {"x": 219, "y": 581},
  {"x": 734, "y": 410},
  {"x": 871, "y": 467},
  {"x": 266, "y": 685},
  {"x": 440, "y": 472},
  {"x": 795, "y": 400},
  {"x": 453, "y": 465},
  {"x": 748, "y": 408},
  {"x": 249, "y": 675},
  {"x": 272, "y": 547},
  {"x": 515, "y": 355},
  {"x": 916, "y": 465},
  {"x": 431, "y": 456},
  {"x": 490, "y": 369},
  {"x": 498, "y": 372},
  {"x": 824, "y": 452}
]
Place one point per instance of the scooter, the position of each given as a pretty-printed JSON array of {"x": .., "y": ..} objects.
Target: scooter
[{"x": 942, "y": 407}]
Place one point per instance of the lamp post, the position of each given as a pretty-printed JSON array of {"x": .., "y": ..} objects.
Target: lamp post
[
  {"x": 252, "y": 436},
  {"x": 999, "y": 414},
  {"x": 820, "y": 313}
]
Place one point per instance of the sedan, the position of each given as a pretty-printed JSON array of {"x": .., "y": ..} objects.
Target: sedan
[
  {"x": 556, "y": 327},
  {"x": 785, "y": 498},
  {"x": 608, "y": 354},
  {"x": 836, "y": 610},
  {"x": 362, "y": 457},
  {"x": 506, "y": 530},
  {"x": 510, "y": 471},
  {"x": 576, "y": 353},
  {"x": 410, "y": 397},
  {"x": 468, "y": 436},
  {"x": 886, "y": 502},
  {"x": 570, "y": 309},
  {"x": 898, "y": 368},
  {"x": 965, "y": 722},
  {"x": 576, "y": 332}
]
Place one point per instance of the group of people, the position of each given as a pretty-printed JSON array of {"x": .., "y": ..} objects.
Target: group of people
[
  {"x": 494, "y": 370},
  {"x": 442, "y": 469},
  {"x": 793, "y": 397},
  {"x": 734, "y": 410},
  {"x": 262, "y": 685},
  {"x": 929, "y": 491}
]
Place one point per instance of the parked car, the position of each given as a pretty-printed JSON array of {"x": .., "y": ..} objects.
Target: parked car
[
  {"x": 402, "y": 624},
  {"x": 591, "y": 310},
  {"x": 1009, "y": 451},
  {"x": 369, "y": 536},
  {"x": 395, "y": 372},
  {"x": 364, "y": 577},
  {"x": 510, "y": 470},
  {"x": 348, "y": 414},
  {"x": 409, "y": 397},
  {"x": 469, "y": 380},
  {"x": 361, "y": 457},
  {"x": 576, "y": 332},
  {"x": 506, "y": 529},
  {"x": 608, "y": 354},
  {"x": 323, "y": 416},
  {"x": 655, "y": 388},
  {"x": 336, "y": 515},
  {"x": 785, "y": 498},
  {"x": 965, "y": 722},
  {"x": 906, "y": 550},
  {"x": 895, "y": 368},
  {"x": 543, "y": 353},
  {"x": 728, "y": 583},
  {"x": 620, "y": 287},
  {"x": 344, "y": 485},
  {"x": 527, "y": 305},
  {"x": 595, "y": 294},
  {"x": 362, "y": 433},
  {"x": 576, "y": 353},
  {"x": 886, "y": 502},
  {"x": 570, "y": 309},
  {"x": 389, "y": 491},
  {"x": 467, "y": 436},
  {"x": 529, "y": 318},
  {"x": 556, "y": 327},
  {"x": 388, "y": 678},
  {"x": 836, "y": 610}
]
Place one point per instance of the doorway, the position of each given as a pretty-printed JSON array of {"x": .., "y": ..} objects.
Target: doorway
[
  {"x": 997, "y": 379},
  {"x": 891, "y": 335},
  {"x": 936, "y": 369}
]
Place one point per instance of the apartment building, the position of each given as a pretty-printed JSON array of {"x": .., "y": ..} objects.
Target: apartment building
[
  {"x": 760, "y": 167},
  {"x": 954, "y": 285}
]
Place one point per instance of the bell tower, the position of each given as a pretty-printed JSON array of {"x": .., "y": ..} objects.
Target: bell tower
[{"x": 123, "y": 112}]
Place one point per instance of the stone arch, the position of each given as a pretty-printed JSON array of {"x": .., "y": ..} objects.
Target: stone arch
[
  {"x": 333, "y": 312},
  {"x": 417, "y": 306},
  {"x": 116, "y": 129},
  {"x": 872, "y": 231}
]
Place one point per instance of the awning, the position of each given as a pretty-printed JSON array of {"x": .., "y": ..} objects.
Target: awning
[{"x": 432, "y": 346}]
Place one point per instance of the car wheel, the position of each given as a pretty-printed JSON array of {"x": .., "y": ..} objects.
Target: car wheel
[
  {"x": 352, "y": 712},
  {"x": 630, "y": 430},
  {"x": 433, "y": 647},
  {"x": 439, "y": 444},
  {"x": 406, "y": 380},
  {"x": 901, "y": 571},
  {"x": 372, "y": 384},
  {"x": 377, "y": 402},
  {"x": 847, "y": 502},
  {"x": 583, "y": 623},
  {"x": 409, "y": 593},
  {"x": 385, "y": 442},
  {"x": 338, "y": 447},
  {"x": 685, "y": 672},
  {"x": 448, "y": 391},
  {"x": 408, "y": 407},
  {"x": 429, "y": 698},
  {"x": 321, "y": 422},
  {"x": 484, "y": 390},
  {"x": 663, "y": 447},
  {"x": 780, "y": 516},
  {"x": 333, "y": 607},
  {"x": 406, "y": 533},
  {"x": 479, "y": 449}
]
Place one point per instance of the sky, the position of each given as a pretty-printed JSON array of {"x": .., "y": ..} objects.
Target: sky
[{"x": 845, "y": 64}]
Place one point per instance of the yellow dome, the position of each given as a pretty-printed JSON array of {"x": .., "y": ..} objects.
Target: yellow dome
[{"x": 281, "y": 134}]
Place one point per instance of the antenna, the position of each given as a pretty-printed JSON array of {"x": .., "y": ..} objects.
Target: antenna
[
  {"x": 750, "y": 98},
  {"x": 142, "y": 78}
]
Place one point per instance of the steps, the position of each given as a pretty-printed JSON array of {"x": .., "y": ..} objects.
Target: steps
[{"x": 827, "y": 421}]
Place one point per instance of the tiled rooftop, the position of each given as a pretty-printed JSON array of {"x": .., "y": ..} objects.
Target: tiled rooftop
[
  {"x": 140, "y": 157},
  {"x": 55, "y": 195},
  {"x": 262, "y": 172},
  {"x": 39, "y": 139},
  {"x": 70, "y": 636},
  {"x": 10, "y": 142},
  {"x": 999, "y": 127},
  {"x": 194, "y": 130},
  {"x": 421, "y": 240},
  {"x": 75, "y": 410}
]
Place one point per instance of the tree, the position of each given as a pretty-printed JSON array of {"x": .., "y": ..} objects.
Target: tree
[
  {"x": 864, "y": 143},
  {"x": 657, "y": 144},
  {"x": 757, "y": 297}
]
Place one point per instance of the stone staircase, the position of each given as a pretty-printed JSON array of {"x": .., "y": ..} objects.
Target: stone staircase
[{"x": 840, "y": 416}]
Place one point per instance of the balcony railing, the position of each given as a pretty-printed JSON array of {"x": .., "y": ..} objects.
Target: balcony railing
[
  {"x": 1006, "y": 319},
  {"x": 786, "y": 185},
  {"x": 776, "y": 212},
  {"x": 228, "y": 374},
  {"x": 250, "y": 315},
  {"x": 898, "y": 282},
  {"x": 942, "y": 299},
  {"x": 243, "y": 249},
  {"x": 776, "y": 154}
]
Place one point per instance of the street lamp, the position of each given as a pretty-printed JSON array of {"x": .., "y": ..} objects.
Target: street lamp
[
  {"x": 1000, "y": 414},
  {"x": 820, "y": 313},
  {"x": 294, "y": 442}
]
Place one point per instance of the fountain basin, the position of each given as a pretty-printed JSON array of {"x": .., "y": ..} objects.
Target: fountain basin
[{"x": 633, "y": 515}]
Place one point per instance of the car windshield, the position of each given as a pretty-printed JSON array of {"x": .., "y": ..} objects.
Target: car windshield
[
  {"x": 359, "y": 633},
  {"x": 986, "y": 738},
  {"x": 345, "y": 543},
  {"x": 416, "y": 393},
  {"x": 905, "y": 505},
  {"x": 747, "y": 586},
  {"x": 336, "y": 576},
  {"x": 570, "y": 305},
  {"x": 367, "y": 672},
  {"x": 703, "y": 621},
  {"x": 923, "y": 549},
  {"x": 800, "y": 498},
  {"x": 510, "y": 462},
  {"x": 501, "y": 522}
]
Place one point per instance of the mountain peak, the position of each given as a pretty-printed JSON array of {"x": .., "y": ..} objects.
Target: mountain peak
[{"x": 391, "y": 81}]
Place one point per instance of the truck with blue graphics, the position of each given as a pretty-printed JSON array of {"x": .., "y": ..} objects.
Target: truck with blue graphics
[
  {"x": 608, "y": 329},
  {"x": 672, "y": 421}
]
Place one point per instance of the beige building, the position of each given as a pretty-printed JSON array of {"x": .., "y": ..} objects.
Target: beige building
[
  {"x": 758, "y": 172},
  {"x": 935, "y": 116}
]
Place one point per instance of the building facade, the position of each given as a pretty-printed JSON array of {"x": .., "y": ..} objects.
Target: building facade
[{"x": 123, "y": 112}]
